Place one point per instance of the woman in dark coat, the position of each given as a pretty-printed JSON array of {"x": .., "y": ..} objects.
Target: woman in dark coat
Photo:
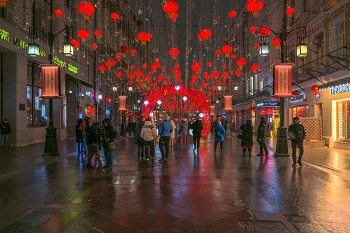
[
  {"x": 219, "y": 129},
  {"x": 247, "y": 137},
  {"x": 79, "y": 136}
]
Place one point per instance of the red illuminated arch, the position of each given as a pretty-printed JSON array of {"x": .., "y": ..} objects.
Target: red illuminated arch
[{"x": 170, "y": 90}]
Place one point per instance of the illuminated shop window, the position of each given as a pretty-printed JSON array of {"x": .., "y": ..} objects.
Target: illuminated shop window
[{"x": 300, "y": 111}]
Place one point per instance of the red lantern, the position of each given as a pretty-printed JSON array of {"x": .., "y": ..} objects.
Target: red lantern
[
  {"x": 86, "y": 9},
  {"x": 254, "y": 68},
  {"x": 205, "y": 34},
  {"x": 174, "y": 52},
  {"x": 296, "y": 93},
  {"x": 133, "y": 52},
  {"x": 238, "y": 73},
  {"x": 218, "y": 52},
  {"x": 314, "y": 88},
  {"x": 209, "y": 63},
  {"x": 98, "y": 33},
  {"x": 118, "y": 57},
  {"x": 196, "y": 67},
  {"x": 232, "y": 14},
  {"x": 123, "y": 49},
  {"x": 94, "y": 46},
  {"x": 58, "y": 13},
  {"x": 254, "y": 6},
  {"x": 3, "y": 3},
  {"x": 102, "y": 68},
  {"x": 75, "y": 43},
  {"x": 215, "y": 74},
  {"x": 276, "y": 42},
  {"x": 226, "y": 49},
  {"x": 173, "y": 16},
  {"x": 83, "y": 34},
  {"x": 227, "y": 102},
  {"x": 154, "y": 67},
  {"x": 119, "y": 74},
  {"x": 264, "y": 31},
  {"x": 110, "y": 63},
  {"x": 144, "y": 37},
  {"x": 290, "y": 11},
  {"x": 257, "y": 46},
  {"x": 240, "y": 63},
  {"x": 115, "y": 17},
  {"x": 233, "y": 56},
  {"x": 170, "y": 7},
  {"x": 252, "y": 29}
]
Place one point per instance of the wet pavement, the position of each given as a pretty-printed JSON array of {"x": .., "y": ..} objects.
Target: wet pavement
[{"x": 194, "y": 192}]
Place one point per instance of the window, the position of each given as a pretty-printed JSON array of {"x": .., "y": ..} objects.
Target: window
[
  {"x": 300, "y": 111},
  {"x": 37, "y": 108}
]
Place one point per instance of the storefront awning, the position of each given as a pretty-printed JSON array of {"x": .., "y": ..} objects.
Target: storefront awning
[{"x": 335, "y": 83}]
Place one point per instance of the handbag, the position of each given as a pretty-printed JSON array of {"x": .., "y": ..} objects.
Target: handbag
[
  {"x": 239, "y": 136},
  {"x": 217, "y": 134},
  {"x": 111, "y": 145}
]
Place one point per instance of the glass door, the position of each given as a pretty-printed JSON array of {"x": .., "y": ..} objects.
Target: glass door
[{"x": 343, "y": 121}]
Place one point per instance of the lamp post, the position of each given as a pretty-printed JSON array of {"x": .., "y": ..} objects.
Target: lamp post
[
  {"x": 282, "y": 143},
  {"x": 50, "y": 137}
]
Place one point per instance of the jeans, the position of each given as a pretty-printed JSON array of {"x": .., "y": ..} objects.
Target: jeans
[
  {"x": 164, "y": 143},
  {"x": 109, "y": 156},
  {"x": 196, "y": 140},
  {"x": 4, "y": 139},
  {"x": 294, "y": 150}
]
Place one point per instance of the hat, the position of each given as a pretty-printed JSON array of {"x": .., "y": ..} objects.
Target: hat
[
  {"x": 295, "y": 118},
  {"x": 165, "y": 117}
]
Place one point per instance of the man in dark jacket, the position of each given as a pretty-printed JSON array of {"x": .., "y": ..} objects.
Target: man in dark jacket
[
  {"x": 197, "y": 131},
  {"x": 5, "y": 132},
  {"x": 261, "y": 137},
  {"x": 108, "y": 136},
  {"x": 164, "y": 130},
  {"x": 296, "y": 133}
]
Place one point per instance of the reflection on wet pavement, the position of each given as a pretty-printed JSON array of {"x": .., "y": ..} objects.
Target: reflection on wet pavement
[{"x": 196, "y": 191}]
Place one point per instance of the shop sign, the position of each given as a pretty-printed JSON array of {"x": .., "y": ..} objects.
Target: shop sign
[
  {"x": 318, "y": 96},
  {"x": 63, "y": 64},
  {"x": 50, "y": 81},
  {"x": 300, "y": 97},
  {"x": 340, "y": 88},
  {"x": 282, "y": 80},
  {"x": 88, "y": 93},
  {"x": 24, "y": 45},
  {"x": 268, "y": 104},
  {"x": 4, "y": 35},
  {"x": 108, "y": 100}
]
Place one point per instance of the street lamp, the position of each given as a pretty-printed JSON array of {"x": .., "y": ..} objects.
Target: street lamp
[
  {"x": 282, "y": 143},
  {"x": 33, "y": 50}
]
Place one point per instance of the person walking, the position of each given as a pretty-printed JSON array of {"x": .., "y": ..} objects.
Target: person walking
[
  {"x": 296, "y": 132},
  {"x": 152, "y": 149},
  {"x": 164, "y": 130},
  {"x": 172, "y": 135},
  {"x": 92, "y": 139},
  {"x": 247, "y": 137},
  {"x": 79, "y": 136},
  {"x": 184, "y": 129},
  {"x": 107, "y": 136},
  {"x": 5, "y": 133},
  {"x": 148, "y": 134},
  {"x": 261, "y": 137},
  {"x": 197, "y": 132},
  {"x": 220, "y": 134}
]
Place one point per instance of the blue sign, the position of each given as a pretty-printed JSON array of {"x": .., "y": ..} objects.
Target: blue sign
[
  {"x": 268, "y": 104},
  {"x": 300, "y": 97},
  {"x": 318, "y": 96}
]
